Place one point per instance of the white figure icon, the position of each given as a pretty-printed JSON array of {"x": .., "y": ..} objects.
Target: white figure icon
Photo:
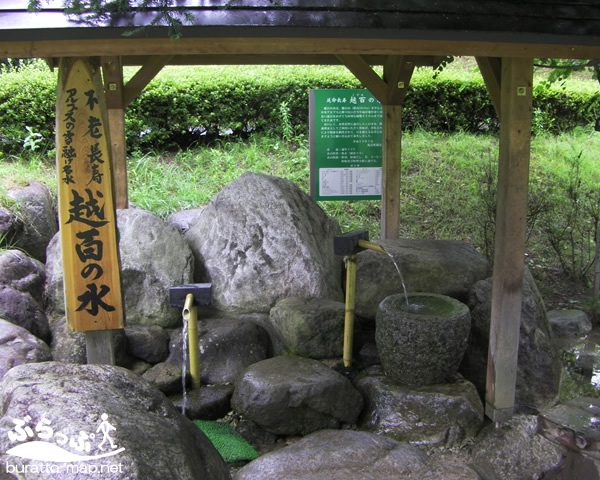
[{"x": 105, "y": 427}]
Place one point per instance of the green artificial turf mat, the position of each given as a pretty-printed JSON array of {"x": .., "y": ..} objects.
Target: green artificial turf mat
[{"x": 228, "y": 442}]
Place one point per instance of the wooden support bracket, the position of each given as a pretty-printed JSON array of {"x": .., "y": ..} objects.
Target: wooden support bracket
[
  {"x": 144, "y": 76},
  {"x": 491, "y": 68}
]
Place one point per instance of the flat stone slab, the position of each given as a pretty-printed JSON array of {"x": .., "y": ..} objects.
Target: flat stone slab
[
  {"x": 444, "y": 414},
  {"x": 576, "y": 425}
]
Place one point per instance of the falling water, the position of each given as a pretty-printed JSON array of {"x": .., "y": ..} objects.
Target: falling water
[
  {"x": 400, "y": 274},
  {"x": 184, "y": 336}
]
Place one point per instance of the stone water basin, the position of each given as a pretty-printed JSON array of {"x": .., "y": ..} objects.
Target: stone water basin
[{"x": 421, "y": 337}]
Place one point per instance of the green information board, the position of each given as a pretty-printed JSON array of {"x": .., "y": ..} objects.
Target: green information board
[{"x": 346, "y": 128}]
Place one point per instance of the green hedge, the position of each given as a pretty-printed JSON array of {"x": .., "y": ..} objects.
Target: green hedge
[{"x": 183, "y": 106}]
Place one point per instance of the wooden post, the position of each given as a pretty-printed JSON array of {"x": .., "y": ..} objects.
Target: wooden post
[
  {"x": 87, "y": 217},
  {"x": 100, "y": 348},
  {"x": 390, "y": 91},
  {"x": 511, "y": 215},
  {"x": 391, "y": 171},
  {"x": 113, "y": 86}
]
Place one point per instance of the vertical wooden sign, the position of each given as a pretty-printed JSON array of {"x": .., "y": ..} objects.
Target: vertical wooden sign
[{"x": 88, "y": 230}]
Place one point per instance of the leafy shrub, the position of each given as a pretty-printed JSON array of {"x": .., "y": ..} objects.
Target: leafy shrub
[{"x": 195, "y": 105}]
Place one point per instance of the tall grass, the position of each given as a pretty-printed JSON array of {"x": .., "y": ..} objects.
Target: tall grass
[{"x": 444, "y": 183}]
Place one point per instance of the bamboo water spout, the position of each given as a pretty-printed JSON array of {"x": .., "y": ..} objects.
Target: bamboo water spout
[
  {"x": 349, "y": 244},
  {"x": 189, "y": 297},
  {"x": 190, "y": 315}
]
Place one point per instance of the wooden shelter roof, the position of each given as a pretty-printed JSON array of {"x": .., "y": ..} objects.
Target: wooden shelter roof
[{"x": 318, "y": 28}]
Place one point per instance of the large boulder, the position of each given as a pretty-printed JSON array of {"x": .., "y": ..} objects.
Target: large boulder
[
  {"x": 93, "y": 411},
  {"x": 539, "y": 367},
  {"x": 350, "y": 455},
  {"x": 291, "y": 395},
  {"x": 446, "y": 267},
  {"x": 18, "y": 346},
  {"x": 262, "y": 239},
  {"x": 35, "y": 208},
  {"x": 154, "y": 257}
]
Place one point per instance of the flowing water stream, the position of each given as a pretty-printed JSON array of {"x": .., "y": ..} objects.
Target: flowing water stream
[
  {"x": 399, "y": 274},
  {"x": 184, "y": 337}
]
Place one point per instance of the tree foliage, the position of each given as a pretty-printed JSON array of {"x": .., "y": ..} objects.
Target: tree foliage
[
  {"x": 166, "y": 12},
  {"x": 563, "y": 69}
]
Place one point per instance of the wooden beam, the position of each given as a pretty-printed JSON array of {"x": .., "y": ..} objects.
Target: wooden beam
[
  {"x": 113, "y": 87},
  {"x": 367, "y": 76},
  {"x": 277, "y": 59},
  {"x": 491, "y": 70},
  {"x": 143, "y": 77},
  {"x": 513, "y": 175},
  {"x": 294, "y": 45}
]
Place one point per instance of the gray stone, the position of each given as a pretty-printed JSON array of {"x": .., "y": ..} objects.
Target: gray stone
[
  {"x": 539, "y": 367},
  {"x": 290, "y": 395},
  {"x": 445, "y": 414},
  {"x": 67, "y": 346},
  {"x": 166, "y": 377},
  {"x": 421, "y": 343},
  {"x": 21, "y": 286},
  {"x": 154, "y": 257},
  {"x": 514, "y": 450},
  {"x": 446, "y": 267},
  {"x": 184, "y": 219},
  {"x": 23, "y": 273},
  {"x": 569, "y": 323},
  {"x": 156, "y": 441},
  {"x": 150, "y": 344},
  {"x": 226, "y": 345},
  {"x": 262, "y": 239},
  {"x": 54, "y": 288},
  {"x": 35, "y": 207},
  {"x": 23, "y": 310},
  {"x": 207, "y": 402},
  {"x": 137, "y": 366},
  {"x": 10, "y": 227},
  {"x": 338, "y": 455},
  {"x": 310, "y": 327},
  {"x": 18, "y": 346}
]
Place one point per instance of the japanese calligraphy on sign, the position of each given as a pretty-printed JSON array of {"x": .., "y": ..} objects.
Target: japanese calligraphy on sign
[
  {"x": 86, "y": 207},
  {"x": 346, "y": 128}
]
